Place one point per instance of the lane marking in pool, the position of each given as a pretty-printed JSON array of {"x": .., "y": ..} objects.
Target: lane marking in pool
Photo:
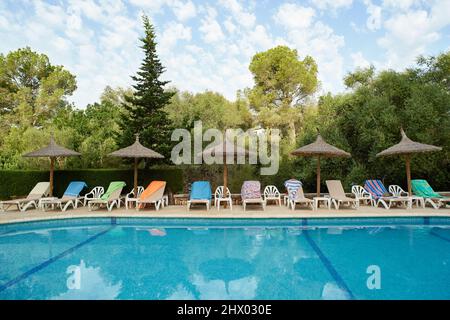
[
  {"x": 437, "y": 235},
  {"x": 328, "y": 265},
  {"x": 51, "y": 260},
  {"x": 7, "y": 232}
]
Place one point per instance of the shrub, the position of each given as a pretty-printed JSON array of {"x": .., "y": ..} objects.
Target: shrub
[{"x": 15, "y": 183}]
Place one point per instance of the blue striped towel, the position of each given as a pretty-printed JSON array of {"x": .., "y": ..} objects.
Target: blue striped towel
[{"x": 292, "y": 187}]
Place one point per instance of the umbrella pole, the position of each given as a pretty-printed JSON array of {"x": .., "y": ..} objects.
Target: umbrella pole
[
  {"x": 225, "y": 179},
  {"x": 408, "y": 173},
  {"x": 135, "y": 176},
  {"x": 52, "y": 166},
  {"x": 318, "y": 176}
]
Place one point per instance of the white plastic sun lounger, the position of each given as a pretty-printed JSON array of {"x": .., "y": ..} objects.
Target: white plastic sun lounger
[
  {"x": 300, "y": 199},
  {"x": 338, "y": 196},
  {"x": 155, "y": 198},
  {"x": 112, "y": 200},
  {"x": 41, "y": 189},
  {"x": 71, "y": 197}
]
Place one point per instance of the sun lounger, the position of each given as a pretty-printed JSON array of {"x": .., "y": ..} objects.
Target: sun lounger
[
  {"x": 41, "y": 189},
  {"x": 363, "y": 195},
  {"x": 397, "y": 191},
  {"x": 219, "y": 197},
  {"x": 295, "y": 194},
  {"x": 381, "y": 196},
  {"x": 95, "y": 194},
  {"x": 110, "y": 198},
  {"x": 130, "y": 197},
  {"x": 271, "y": 193},
  {"x": 337, "y": 195},
  {"x": 153, "y": 194},
  {"x": 200, "y": 194},
  {"x": 423, "y": 189},
  {"x": 71, "y": 197},
  {"x": 251, "y": 194}
]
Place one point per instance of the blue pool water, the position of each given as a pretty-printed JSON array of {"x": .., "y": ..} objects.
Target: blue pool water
[{"x": 226, "y": 259}]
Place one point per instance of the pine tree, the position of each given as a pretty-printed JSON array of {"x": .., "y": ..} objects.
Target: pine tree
[{"x": 144, "y": 111}]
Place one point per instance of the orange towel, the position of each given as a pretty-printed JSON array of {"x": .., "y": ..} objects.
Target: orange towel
[
  {"x": 152, "y": 188},
  {"x": 157, "y": 232}
]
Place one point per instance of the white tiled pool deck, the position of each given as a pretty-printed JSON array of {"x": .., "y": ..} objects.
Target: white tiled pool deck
[{"x": 272, "y": 211}]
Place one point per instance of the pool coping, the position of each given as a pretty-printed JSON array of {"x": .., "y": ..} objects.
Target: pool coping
[
  {"x": 271, "y": 213},
  {"x": 229, "y": 223}
]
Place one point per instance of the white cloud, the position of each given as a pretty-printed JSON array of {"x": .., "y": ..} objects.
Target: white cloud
[
  {"x": 88, "y": 8},
  {"x": 52, "y": 14},
  {"x": 211, "y": 29},
  {"x": 293, "y": 16},
  {"x": 240, "y": 14},
  {"x": 260, "y": 38},
  {"x": 171, "y": 34},
  {"x": 97, "y": 40},
  {"x": 311, "y": 37},
  {"x": 356, "y": 28},
  {"x": 331, "y": 4},
  {"x": 229, "y": 25},
  {"x": 374, "y": 20},
  {"x": 148, "y": 4},
  {"x": 359, "y": 61},
  {"x": 184, "y": 10},
  {"x": 440, "y": 14},
  {"x": 399, "y": 4},
  {"x": 408, "y": 34}
]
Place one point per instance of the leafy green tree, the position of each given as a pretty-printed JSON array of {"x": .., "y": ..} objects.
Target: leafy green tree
[
  {"x": 31, "y": 88},
  {"x": 144, "y": 111},
  {"x": 93, "y": 130},
  {"x": 212, "y": 108},
  {"x": 367, "y": 120},
  {"x": 283, "y": 84},
  {"x": 32, "y": 93},
  {"x": 434, "y": 69}
]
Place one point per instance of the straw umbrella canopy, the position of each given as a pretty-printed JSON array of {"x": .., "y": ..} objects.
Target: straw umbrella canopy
[
  {"x": 136, "y": 151},
  {"x": 224, "y": 149},
  {"x": 52, "y": 151},
  {"x": 407, "y": 148},
  {"x": 320, "y": 149}
]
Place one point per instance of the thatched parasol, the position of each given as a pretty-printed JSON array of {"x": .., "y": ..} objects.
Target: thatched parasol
[
  {"x": 407, "y": 147},
  {"x": 226, "y": 148},
  {"x": 52, "y": 151},
  {"x": 136, "y": 151},
  {"x": 320, "y": 149}
]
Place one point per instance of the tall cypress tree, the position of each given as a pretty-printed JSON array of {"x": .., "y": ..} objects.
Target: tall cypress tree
[{"x": 144, "y": 111}]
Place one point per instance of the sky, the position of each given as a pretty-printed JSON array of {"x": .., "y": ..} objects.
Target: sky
[{"x": 208, "y": 45}]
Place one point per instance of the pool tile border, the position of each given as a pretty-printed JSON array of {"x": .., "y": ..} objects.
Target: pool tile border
[{"x": 222, "y": 223}]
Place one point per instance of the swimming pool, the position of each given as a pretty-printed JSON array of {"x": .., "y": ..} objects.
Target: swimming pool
[{"x": 130, "y": 258}]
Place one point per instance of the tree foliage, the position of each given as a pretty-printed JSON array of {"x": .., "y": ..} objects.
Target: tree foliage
[
  {"x": 31, "y": 89},
  {"x": 363, "y": 121},
  {"x": 145, "y": 113},
  {"x": 283, "y": 83},
  {"x": 213, "y": 109},
  {"x": 367, "y": 120}
]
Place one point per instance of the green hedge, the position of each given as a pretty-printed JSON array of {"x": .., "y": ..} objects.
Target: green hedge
[{"x": 14, "y": 183}]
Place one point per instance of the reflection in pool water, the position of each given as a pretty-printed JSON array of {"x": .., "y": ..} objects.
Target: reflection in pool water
[{"x": 125, "y": 262}]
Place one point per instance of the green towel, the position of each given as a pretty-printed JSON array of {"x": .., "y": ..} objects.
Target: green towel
[
  {"x": 113, "y": 186},
  {"x": 423, "y": 189}
]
